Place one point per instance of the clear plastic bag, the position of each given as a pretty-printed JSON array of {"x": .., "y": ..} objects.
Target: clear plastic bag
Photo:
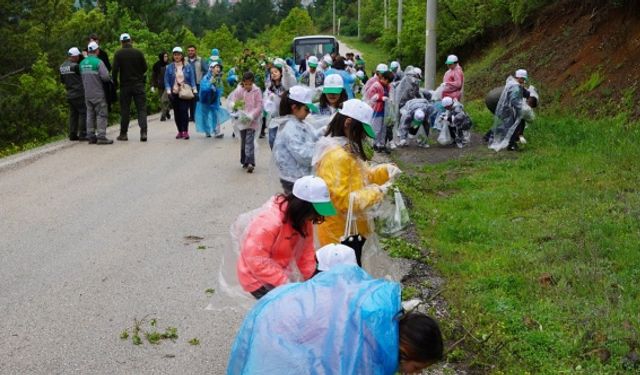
[
  {"x": 393, "y": 215},
  {"x": 444, "y": 138}
]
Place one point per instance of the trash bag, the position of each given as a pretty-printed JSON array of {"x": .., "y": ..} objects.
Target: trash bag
[
  {"x": 394, "y": 216},
  {"x": 342, "y": 321},
  {"x": 444, "y": 138}
]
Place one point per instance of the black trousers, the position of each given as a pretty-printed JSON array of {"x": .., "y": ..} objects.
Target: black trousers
[
  {"x": 77, "y": 117},
  {"x": 139, "y": 96},
  {"x": 180, "y": 112}
]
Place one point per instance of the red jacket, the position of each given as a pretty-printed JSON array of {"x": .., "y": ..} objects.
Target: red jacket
[
  {"x": 453, "y": 83},
  {"x": 271, "y": 247},
  {"x": 379, "y": 90}
]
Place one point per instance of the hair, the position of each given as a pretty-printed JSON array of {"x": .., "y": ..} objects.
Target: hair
[
  {"x": 286, "y": 103},
  {"x": 248, "y": 76},
  {"x": 324, "y": 102},
  {"x": 357, "y": 134},
  {"x": 94, "y": 36},
  {"x": 338, "y": 63},
  {"x": 420, "y": 338},
  {"x": 191, "y": 46},
  {"x": 279, "y": 69},
  {"x": 297, "y": 212},
  {"x": 388, "y": 75}
]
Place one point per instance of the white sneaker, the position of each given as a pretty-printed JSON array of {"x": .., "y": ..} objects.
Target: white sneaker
[
  {"x": 392, "y": 145},
  {"x": 523, "y": 140},
  {"x": 423, "y": 144},
  {"x": 402, "y": 143}
]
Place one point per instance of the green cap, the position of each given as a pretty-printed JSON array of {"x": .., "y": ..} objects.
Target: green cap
[{"x": 324, "y": 208}]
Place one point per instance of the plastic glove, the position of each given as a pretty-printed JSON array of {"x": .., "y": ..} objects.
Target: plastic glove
[
  {"x": 410, "y": 305},
  {"x": 393, "y": 171},
  {"x": 375, "y": 98},
  {"x": 384, "y": 188},
  {"x": 153, "y": 89}
]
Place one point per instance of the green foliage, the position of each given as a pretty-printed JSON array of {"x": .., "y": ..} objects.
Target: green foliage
[
  {"x": 540, "y": 251},
  {"x": 277, "y": 40},
  {"x": 595, "y": 79}
]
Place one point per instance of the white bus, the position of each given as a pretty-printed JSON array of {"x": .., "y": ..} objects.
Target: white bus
[{"x": 317, "y": 45}]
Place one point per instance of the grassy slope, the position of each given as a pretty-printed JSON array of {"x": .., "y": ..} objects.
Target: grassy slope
[{"x": 540, "y": 249}]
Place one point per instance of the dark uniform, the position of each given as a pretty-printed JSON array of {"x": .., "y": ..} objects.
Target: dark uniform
[
  {"x": 70, "y": 77},
  {"x": 129, "y": 68}
]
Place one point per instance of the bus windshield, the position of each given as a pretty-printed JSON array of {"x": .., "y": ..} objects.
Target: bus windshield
[{"x": 313, "y": 46}]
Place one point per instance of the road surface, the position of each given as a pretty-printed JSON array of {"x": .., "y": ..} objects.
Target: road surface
[{"x": 93, "y": 237}]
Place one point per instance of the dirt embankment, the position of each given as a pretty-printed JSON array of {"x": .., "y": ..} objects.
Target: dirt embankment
[{"x": 583, "y": 55}]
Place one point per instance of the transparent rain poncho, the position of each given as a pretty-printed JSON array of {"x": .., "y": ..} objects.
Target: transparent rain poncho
[
  {"x": 508, "y": 115},
  {"x": 407, "y": 89},
  {"x": 342, "y": 321},
  {"x": 293, "y": 148},
  {"x": 406, "y": 114}
]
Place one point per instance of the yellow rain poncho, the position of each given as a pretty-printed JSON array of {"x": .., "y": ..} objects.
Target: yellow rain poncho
[{"x": 344, "y": 172}]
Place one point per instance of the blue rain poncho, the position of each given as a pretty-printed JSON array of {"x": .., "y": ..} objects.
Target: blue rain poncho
[
  {"x": 209, "y": 114},
  {"x": 342, "y": 321},
  {"x": 294, "y": 147},
  {"x": 347, "y": 78}
]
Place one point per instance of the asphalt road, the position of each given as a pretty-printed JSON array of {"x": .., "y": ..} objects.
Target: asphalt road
[{"x": 93, "y": 237}]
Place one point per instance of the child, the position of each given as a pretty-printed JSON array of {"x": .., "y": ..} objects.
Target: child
[
  {"x": 379, "y": 94},
  {"x": 293, "y": 148},
  {"x": 249, "y": 99},
  {"x": 333, "y": 95},
  {"x": 209, "y": 115}
]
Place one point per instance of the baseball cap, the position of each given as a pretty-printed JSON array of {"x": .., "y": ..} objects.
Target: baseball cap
[
  {"x": 394, "y": 65},
  {"x": 313, "y": 61},
  {"x": 447, "y": 101},
  {"x": 125, "y": 37},
  {"x": 360, "y": 74},
  {"x": 451, "y": 59},
  {"x": 177, "y": 49},
  {"x": 213, "y": 63},
  {"x": 73, "y": 51},
  {"x": 304, "y": 95},
  {"x": 315, "y": 191},
  {"x": 418, "y": 117},
  {"x": 328, "y": 60},
  {"x": 521, "y": 73},
  {"x": 333, "y": 255},
  {"x": 417, "y": 72},
  {"x": 333, "y": 84},
  {"x": 381, "y": 68},
  {"x": 360, "y": 111},
  {"x": 278, "y": 62},
  {"x": 92, "y": 46}
]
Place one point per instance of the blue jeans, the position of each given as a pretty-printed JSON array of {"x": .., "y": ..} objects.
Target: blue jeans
[{"x": 272, "y": 136}]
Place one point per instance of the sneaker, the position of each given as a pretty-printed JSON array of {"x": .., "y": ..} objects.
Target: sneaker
[
  {"x": 244, "y": 166},
  {"x": 185, "y": 135},
  {"x": 392, "y": 145},
  {"x": 386, "y": 150},
  {"x": 104, "y": 141},
  {"x": 123, "y": 137},
  {"x": 261, "y": 135},
  {"x": 460, "y": 144},
  {"x": 513, "y": 147},
  {"x": 143, "y": 135},
  {"x": 74, "y": 138},
  {"x": 423, "y": 145},
  {"x": 168, "y": 116},
  {"x": 220, "y": 135},
  {"x": 250, "y": 168},
  {"x": 93, "y": 140},
  {"x": 523, "y": 140},
  {"x": 208, "y": 135},
  {"x": 163, "y": 118},
  {"x": 83, "y": 138},
  {"x": 179, "y": 135},
  {"x": 403, "y": 143}
]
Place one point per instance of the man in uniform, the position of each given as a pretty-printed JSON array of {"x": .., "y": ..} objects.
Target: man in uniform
[
  {"x": 70, "y": 77},
  {"x": 94, "y": 74}
]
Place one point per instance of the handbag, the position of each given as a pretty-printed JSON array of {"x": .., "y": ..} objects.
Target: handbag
[
  {"x": 185, "y": 92},
  {"x": 353, "y": 240}
]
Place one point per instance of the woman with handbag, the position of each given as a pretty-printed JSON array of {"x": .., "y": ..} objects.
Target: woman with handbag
[
  {"x": 340, "y": 160},
  {"x": 180, "y": 85}
]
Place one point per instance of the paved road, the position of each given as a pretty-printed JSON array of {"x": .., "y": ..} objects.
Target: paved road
[{"x": 92, "y": 237}]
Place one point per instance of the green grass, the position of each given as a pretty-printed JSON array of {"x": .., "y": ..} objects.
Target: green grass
[
  {"x": 541, "y": 249},
  {"x": 371, "y": 53}
]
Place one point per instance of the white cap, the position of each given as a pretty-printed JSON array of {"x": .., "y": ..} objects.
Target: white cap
[
  {"x": 304, "y": 95},
  {"x": 416, "y": 72},
  {"x": 394, "y": 65},
  {"x": 451, "y": 59},
  {"x": 521, "y": 73},
  {"x": 74, "y": 51},
  {"x": 315, "y": 191},
  {"x": 213, "y": 63},
  {"x": 92, "y": 46},
  {"x": 418, "y": 115},
  {"x": 125, "y": 37},
  {"x": 327, "y": 59},
  {"x": 360, "y": 74},
  {"x": 278, "y": 62},
  {"x": 333, "y": 255},
  {"x": 381, "y": 68},
  {"x": 447, "y": 101},
  {"x": 349, "y": 62},
  {"x": 360, "y": 111},
  {"x": 177, "y": 49},
  {"x": 313, "y": 61},
  {"x": 333, "y": 84}
]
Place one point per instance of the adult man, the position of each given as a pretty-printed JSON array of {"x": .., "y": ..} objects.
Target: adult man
[
  {"x": 453, "y": 81},
  {"x": 94, "y": 74},
  {"x": 196, "y": 63},
  {"x": 129, "y": 68},
  {"x": 103, "y": 54},
  {"x": 312, "y": 77},
  {"x": 70, "y": 77}
]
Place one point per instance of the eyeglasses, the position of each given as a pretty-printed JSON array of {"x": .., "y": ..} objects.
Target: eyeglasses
[{"x": 318, "y": 220}]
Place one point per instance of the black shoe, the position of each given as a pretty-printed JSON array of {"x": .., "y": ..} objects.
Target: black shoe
[
  {"x": 250, "y": 168},
  {"x": 93, "y": 140},
  {"x": 104, "y": 141},
  {"x": 513, "y": 147},
  {"x": 74, "y": 138},
  {"x": 123, "y": 137},
  {"x": 220, "y": 135},
  {"x": 143, "y": 135},
  {"x": 163, "y": 118},
  {"x": 168, "y": 116},
  {"x": 376, "y": 148},
  {"x": 244, "y": 166},
  {"x": 386, "y": 150},
  {"x": 261, "y": 135},
  {"x": 83, "y": 138}
]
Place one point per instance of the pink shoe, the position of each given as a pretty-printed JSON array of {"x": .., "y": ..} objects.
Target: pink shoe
[
  {"x": 185, "y": 135},
  {"x": 179, "y": 135}
]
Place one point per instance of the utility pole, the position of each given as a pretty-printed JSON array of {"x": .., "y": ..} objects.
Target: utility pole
[
  {"x": 358, "y": 19},
  {"x": 386, "y": 12},
  {"x": 334, "y": 17},
  {"x": 399, "y": 21},
  {"x": 430, "y": 47}
]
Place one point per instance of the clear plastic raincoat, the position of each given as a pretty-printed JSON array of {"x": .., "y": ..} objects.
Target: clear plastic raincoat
[
  {"x": 508, "y": 114},
  {"x": 294, "y": 147},
  {"x": 342, "y": 321}
]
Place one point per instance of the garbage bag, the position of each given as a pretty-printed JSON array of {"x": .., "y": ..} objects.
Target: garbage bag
[
  {"x": 444, "y": 138},
  {"x": 342, "y": 321},
  {"x": 394, "y": 216}
]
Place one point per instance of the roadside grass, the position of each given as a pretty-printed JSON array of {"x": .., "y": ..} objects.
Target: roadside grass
[
  {"x": 371, "y": 52},
  {"x": 540, "y": 249}
]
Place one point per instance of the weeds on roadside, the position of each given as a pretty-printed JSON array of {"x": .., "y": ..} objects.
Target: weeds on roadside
[{"x": 152, "y": 334}]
